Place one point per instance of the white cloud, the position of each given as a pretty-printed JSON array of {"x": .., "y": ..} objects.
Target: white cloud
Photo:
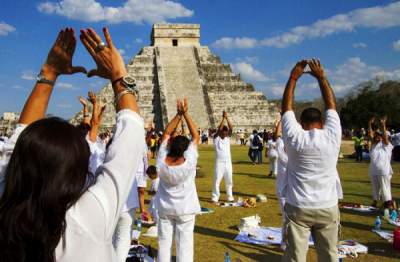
[
  {"x": 354, "y": 71},
  {"x": 360, "y": 45},
  {"x": 5, "y": 29},
  {"x": 396, "y": 45},
  {"x": 66, "y": 86},
  {"x": 121, "y": 51},
  {"x": 136, "y": 11},
  {"x": 374, "y": 17},
  {"x": 249, "y": 73},
  {"x": 18, "y": 87},
  {"x": 230, "y": 43},
  {"x": 28, "y": 75},
  {"x": 138, "y": 40},
  {"x": 248, "y": 59}
]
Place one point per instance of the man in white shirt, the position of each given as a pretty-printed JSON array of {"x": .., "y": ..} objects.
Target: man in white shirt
[
  {"x": 223, "y": 160},
  {"x": 313, "y": 186}
]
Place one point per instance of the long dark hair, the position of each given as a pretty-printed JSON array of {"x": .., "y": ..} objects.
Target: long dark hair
[
  {"x": 46, "y": 175},
  {"x": 178, "y": 146}
]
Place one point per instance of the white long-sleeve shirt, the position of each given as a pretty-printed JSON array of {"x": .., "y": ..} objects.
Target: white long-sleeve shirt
[{"x": 92, "y": 220}]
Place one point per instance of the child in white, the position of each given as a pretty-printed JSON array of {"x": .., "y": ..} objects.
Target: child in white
[
  {"x": 223, "y": 161},
  {"x": 380, "y": 169},
  {"x": 155, "y": 181},
  {"x": 176, "y": 199}
]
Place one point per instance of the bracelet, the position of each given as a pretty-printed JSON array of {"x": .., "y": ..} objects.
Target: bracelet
[
  {"x": 122, "y": 93},
  {"x": 86, "y": 115}
]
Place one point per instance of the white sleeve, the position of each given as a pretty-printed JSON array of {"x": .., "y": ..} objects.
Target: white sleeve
[
  {"x": 163, "y": 151},
  {"x": 191, "y": 155},
  {"x": 105, "y": 199},
  {"x": 332, "y": 125},
  {"x": 290, "y": 127},
  {"x": 6, "y": 152}
]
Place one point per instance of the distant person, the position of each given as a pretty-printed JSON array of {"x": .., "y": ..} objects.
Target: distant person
[
  {"x": 255, "y": 141},
  {"x": 395, "y": 140},
  {"x": 176, "y": 200},
  {"x": 155, "y": 181},
  {"x": 223, "y": 160},
  {"x": 241, "y": 136},
  {"x": 358, "y": 145},
  {"x": 272, "y": 154},
  {"x": 380, "y": 169},
  {"x": 313, "y": 147}
]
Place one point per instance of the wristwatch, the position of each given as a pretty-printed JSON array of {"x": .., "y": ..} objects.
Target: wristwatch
[
  {"x": 129, "y": 83},
  {"x": 40, "y": 78}
]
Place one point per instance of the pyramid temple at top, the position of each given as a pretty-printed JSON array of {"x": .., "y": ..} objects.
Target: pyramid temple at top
[{"x": 175, "y": 66}]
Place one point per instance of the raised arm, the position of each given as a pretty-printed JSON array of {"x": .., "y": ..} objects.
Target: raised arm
[
  {"x": 59, "y": 62},
  {"x": 97, "y": 115},
  {"x": 385, "y": 137},
  {"x": 229, "y": 122},
  {"x": 191, "y": 125},
  {"x": 287, "y": 100},
  {"x": 110, "y": 65},
  {"x": 173, "y": 124},
  {"x": 326, "y": 90},
  {"x": 85, "y": 111},
  {"x": 371, "y": 132},
  {"x": 221, "y": 125},
  {"x": 278, "y": 128}
]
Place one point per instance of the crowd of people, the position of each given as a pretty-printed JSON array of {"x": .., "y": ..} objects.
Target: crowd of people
[{"x": 70, "y": 193}]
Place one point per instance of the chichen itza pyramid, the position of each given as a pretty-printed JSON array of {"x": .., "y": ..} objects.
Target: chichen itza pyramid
[{"x": 176, "y": 65}]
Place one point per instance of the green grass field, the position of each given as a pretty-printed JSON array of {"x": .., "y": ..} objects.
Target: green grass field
[{"x": 215, "y": 233}]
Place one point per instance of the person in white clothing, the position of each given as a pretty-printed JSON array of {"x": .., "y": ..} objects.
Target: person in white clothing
[
  {"x": 223, "y": 160},
  {"x": 65, "y": 218},
  {"x": 313, "y": 184},
  {"x": 176, "y": 199},
  {"x": 272, "y": 153},
  {"x": 155, "y": 181},
  {"x": 380, "y": 170}
]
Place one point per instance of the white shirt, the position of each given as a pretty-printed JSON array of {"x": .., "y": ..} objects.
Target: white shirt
[
  {"x": 395, "y": 138},
  {"x": 272, "y": 152},
  {"x": 97, "y": 154},
  {"x": 251, "y": 137},
  {"x": 91, "y": 222},
  {"x": 154, "y": 184},
  {"x": 381, "y": 156},
  {"x": 281, "y": 179},
  {"x": 313, "y": 180},
  {"x": 222, "y": 149},
  {"x": 177, "y": 194},
  {"x": 140, "y": 181}
]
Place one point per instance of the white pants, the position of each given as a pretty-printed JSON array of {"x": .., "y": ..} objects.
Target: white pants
[
  {"x": 222, "y": 170},
  {"x": 122, "y": 234},
  {"x": 381, "y": 187},
  {"x": 183, "y": 227},
  {"x": 273, "y": 165}
]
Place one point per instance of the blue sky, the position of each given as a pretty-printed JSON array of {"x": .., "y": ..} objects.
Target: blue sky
[{"x": 356, "y": 40}]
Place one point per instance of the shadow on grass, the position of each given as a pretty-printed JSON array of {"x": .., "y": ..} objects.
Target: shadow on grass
[
  {"x": 266, "y": 255},
  {"x": 353, "y": 225},
  {"x": 382, "y": 249},
  {"x": 262, "y": 176},
  {"x": 364, "y": 214},
  {"x": 215, "y": 233}
]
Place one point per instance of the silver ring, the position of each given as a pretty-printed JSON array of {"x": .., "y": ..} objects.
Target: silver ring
[{"x": 100, "y": 47}]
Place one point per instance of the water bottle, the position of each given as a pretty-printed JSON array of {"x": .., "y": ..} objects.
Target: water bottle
[
  {"x": 393, "y": 216},
  {"x": 227, "y": 257},
  {"x": 386, "y": 214},
  {"x": 378, "y": 223},
  {"x": 139, "y": 224}
]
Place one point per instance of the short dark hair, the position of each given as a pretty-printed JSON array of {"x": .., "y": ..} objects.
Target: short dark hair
[
  {"x": 178, "y": 146},
  {"x": 225, "y": 128},
  {"x": 255, "y": 131},
  {"x": 151, "y": 170},
  {"x": 311, "y": 115}
]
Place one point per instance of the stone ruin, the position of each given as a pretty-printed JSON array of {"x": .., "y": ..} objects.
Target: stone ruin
[{"x": 175, "y": 66}]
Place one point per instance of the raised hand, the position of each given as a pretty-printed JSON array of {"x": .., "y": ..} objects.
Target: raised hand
[
  {"x": 110, "y": 64},
  {"x": 316, "y": 68},
  {"x": 98, "y": 110},
  {"x": 179, "y": 107},
  {"x": 224, "y": 114},
  {"x": 185, "y": 105},
  {"x": 372, "y": 120},
  {"x": 83, "y": 101},
  {"x": 92, "y": 97},
  {"x": 59, "y": 59},
  {"x": 298, "y": 70},
  {"x": 383, "y": 120}
]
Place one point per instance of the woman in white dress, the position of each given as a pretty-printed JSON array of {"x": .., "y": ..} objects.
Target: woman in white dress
[{"x": 176, "y": 199}]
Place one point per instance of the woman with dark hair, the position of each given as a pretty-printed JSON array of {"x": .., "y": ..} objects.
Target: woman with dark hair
[
  {"x": 47, "y": 207},
  {"x": 176, "y": 200}
]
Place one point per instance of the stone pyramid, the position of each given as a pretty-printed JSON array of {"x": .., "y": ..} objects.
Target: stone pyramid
[{"x": 176, "y": 65}]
